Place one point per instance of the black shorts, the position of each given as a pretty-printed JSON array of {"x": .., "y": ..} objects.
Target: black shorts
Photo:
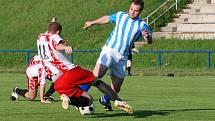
[{"x": 130, "y": 57}]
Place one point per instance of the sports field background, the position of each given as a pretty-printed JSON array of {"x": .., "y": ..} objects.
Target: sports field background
[
  {"x": 21, "y": 21},
  {"x": 153, "y": 98}
]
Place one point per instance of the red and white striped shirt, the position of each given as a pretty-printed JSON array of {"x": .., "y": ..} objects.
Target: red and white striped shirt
[
  {"x": 46, "y": 45},
  {"x": 37, "y": 68}
]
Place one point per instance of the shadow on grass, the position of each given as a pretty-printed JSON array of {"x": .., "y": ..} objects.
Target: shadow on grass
[
  {"x": 35, "y": 100},
  {"x": 147, "y": 113}
]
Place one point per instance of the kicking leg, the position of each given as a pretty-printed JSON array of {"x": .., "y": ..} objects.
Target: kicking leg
[{"x": 113, "y": 96}]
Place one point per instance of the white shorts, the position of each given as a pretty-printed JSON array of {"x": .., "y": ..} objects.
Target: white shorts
[
  {"x": 32, "y": 71},
  {"x": 114, "y": 62}
]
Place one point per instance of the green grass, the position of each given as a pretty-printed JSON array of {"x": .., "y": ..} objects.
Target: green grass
[
  {"x": 192, "y": 62},
  {"x": 154, "y": 98},
  {"x": 21, "y": 21},
  {"x": 175, "y": 44},
  {"x": 177, "y": 61}
]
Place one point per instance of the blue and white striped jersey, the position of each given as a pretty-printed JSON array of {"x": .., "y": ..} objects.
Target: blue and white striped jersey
[{"x": 126, "y": 31}]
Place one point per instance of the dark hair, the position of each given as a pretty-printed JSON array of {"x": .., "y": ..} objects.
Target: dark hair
[
  {"x": 139, "y": 2},
  {"x": 54, "y": 27}
]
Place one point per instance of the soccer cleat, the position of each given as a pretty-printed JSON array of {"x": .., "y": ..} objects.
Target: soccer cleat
[
  {"x": 123, "y": 106},
  {"x": 107, "y": 105},
  {"x": 65, "y": 101},
  {"x": 76, "y": 108},
  {"x": 14, "y": 96}
]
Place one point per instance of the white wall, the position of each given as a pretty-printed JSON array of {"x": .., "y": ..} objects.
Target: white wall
[{"x": 212, "y": 1}]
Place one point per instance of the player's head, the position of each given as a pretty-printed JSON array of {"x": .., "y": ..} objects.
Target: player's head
[
  {"x": 54, "y": 28},
  {"x": 136, "y": 8}
]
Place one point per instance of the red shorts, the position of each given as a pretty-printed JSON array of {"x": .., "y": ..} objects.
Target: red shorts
[{"x": 69, "y": 82}]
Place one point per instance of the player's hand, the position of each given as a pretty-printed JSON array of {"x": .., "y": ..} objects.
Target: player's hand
[
  {"x": 146, "y": 36},
  {"x": 45, "y": 101},
  {"x": 135, "y": 50},
  {"x": 54, "y": 19},
  {"x": 87, "y": 24},
  {"x": 68, "y": 50},
  {"x": 144, "y": 33}
]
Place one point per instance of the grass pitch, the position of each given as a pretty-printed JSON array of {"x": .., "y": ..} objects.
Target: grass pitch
[{"x": 153, "y": 99}]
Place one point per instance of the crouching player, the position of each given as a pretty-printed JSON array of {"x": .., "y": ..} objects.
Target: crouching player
[{"x": 34, "y": 73}]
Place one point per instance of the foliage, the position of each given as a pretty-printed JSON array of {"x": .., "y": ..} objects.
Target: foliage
[{"x": 23, "y": 20}]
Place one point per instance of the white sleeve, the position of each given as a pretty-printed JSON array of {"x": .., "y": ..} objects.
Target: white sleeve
[{"x": 57, "y": 38}]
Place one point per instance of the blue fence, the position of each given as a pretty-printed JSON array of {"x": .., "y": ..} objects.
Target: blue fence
[{"x": 158, "y": 52}]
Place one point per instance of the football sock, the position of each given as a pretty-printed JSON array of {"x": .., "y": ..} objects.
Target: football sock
[
  {"x": 105, "y": 98},
  {"x": 85, "y": 87},
  {"x": 106, "y": 89},
  {"x": 50, "y": 91},
  {"x": 21, "y": 92},
  {"x": 79, "y": 101},
  {"x": 129, "y": 70}
]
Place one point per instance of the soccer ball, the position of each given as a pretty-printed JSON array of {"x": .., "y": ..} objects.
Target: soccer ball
[{"x": 87, "y": 110}]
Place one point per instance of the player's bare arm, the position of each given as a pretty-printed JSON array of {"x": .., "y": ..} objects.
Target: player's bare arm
[
  {"x": 101, "y": 20},
  {"x": 42, "y": 80},
  {"x": 62, "y": 46},
  {"x": 54, "y": 19},
  {"x": 42, "y": 89}
]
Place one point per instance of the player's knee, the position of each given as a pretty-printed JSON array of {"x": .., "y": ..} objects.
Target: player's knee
[
  {"x": 96, "y": 83},
  {"x": 116, "y": 89},
  {"x": 31, "y": 97},
  {"x": 97, "y": 76},
  {"x": 99, "y": 73}
]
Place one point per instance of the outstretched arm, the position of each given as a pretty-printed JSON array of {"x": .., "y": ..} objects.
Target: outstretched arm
[{"x": 101, "y": 20}]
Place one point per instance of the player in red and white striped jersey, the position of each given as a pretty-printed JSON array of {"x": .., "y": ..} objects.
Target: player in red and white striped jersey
[
  {"x": 51, "y": 49},
  {"x": 36, "y": 74}
]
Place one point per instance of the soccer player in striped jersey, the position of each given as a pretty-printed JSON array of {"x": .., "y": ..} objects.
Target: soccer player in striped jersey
[
  {"x": 128, "y": 28},
  {"x": 34, "y": 72},
  {"x": 51, "y": 49},
  {"x": 36, "y": 75}
]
